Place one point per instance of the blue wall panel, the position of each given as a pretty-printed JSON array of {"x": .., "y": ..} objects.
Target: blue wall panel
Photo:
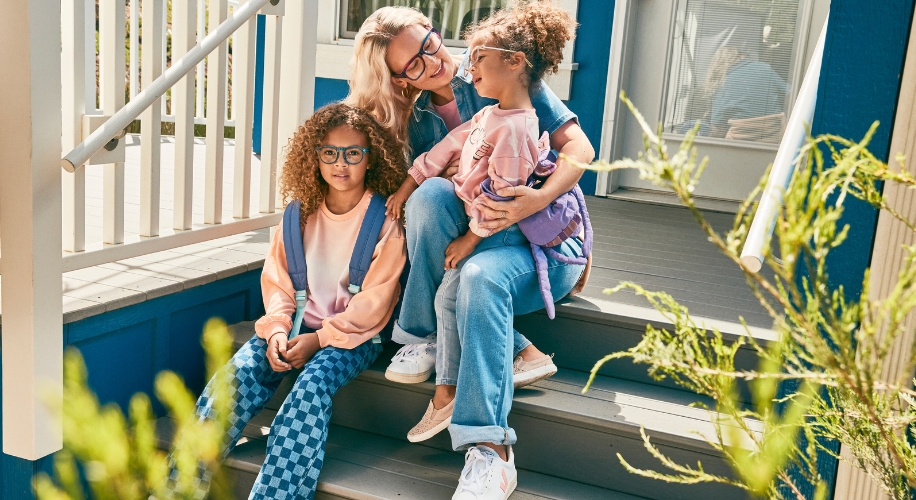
[
  {"x": 589, "y": 82},
  {"x": 121, "y": 362},
  {"x": 328, "y": 90}
]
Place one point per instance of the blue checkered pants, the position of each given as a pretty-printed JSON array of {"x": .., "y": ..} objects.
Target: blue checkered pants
[{"x": 295, "y": 446}]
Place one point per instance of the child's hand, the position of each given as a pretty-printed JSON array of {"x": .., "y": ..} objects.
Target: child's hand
[
  {"x": 301, "y": 348},
  {"x": 460, "y": 248},
  {"x": 395, "y": 203},
  {"x": 276, "y": 351}
]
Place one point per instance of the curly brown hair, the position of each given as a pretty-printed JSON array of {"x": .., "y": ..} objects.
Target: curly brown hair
[
  {"x": 301, "y": 177},
  {"x": 539, "y": 29}
]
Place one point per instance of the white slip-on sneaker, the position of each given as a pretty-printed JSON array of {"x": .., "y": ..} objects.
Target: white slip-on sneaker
[
  {"x": 412, "y": 364},
  {"x": 486, "y": 476},
  {"x": 528, "y": 372}
]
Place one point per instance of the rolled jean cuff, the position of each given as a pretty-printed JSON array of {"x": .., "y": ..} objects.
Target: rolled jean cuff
[
  {"x": 446, "y": 381},
  {"x": 521, "y": 342},
  {"x": 401, "y": 336},
  {"x": 465, "y": 436}
]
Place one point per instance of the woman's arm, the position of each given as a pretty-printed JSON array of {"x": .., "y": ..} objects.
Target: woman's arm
[{"x": 568, "y": 139}]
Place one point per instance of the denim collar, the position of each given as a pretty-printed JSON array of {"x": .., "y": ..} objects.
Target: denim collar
[{"x": 462, "y": 77}]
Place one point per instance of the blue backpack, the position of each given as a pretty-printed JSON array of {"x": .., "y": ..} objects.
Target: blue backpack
[{"x": 360, "y": 259}]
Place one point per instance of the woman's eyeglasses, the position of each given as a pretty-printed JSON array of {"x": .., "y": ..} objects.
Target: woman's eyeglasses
[
  {"x": 416, "y": 66},
  {"x": 352, "y": 154},
  {"x": 474, "y": 57}
]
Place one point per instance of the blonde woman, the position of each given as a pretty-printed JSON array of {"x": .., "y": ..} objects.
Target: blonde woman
[{"x": 404, "y": 76}]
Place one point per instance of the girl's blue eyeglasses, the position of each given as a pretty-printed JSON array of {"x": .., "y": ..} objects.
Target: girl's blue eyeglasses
[{"x": 352, "y": 154}]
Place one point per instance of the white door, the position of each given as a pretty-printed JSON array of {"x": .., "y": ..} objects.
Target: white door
[{"x": 733, "y": 67}]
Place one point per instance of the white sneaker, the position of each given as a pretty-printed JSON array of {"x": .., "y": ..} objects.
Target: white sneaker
[
  {"x": 528, "y": 372},
  {"x": 412, "y": 364},
  {"x": 486, "y": 476}
]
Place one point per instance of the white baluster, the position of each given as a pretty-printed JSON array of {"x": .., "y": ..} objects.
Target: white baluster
[
  {"x": 134, "y": 47},
  {"x": 216, "y": 119},
  {"x": 184, "y": 26},
  {"x": 243, "y": 59},
  {"x": 165, "y": 35},
  {"x": 273, "y": 36},
  {"x": 111, "y": 90},
  {"x": 201, "y": 66},
  {"x": 73, "y": 83},
  {"x": 151, "y": 119}
]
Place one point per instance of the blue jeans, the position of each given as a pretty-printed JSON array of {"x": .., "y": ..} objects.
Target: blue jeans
[
  {"x": 295, "y": 446},
  {"x": 476, "y": 305},
  {"x": 435, "y": 217}
]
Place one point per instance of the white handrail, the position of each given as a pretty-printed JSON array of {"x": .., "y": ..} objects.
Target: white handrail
[
  {"x": 120, "y": 120},
  {"x": 783, "y": 165}
]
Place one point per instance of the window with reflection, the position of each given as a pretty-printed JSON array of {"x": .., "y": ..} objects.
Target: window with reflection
[
  {"x": 732, "y": 68},
  {"x": 449, "y": 17}
]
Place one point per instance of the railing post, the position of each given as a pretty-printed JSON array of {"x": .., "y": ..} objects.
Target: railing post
[
  {"x": 297, "y": 81},
  {"x": 270, "y": 148},
  {"x": 30, "y": 222}
]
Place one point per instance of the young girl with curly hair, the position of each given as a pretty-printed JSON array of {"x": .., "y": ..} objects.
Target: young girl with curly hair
[
  {"x": 497, "y": 150},
  {"x": 334, "y": 163}
]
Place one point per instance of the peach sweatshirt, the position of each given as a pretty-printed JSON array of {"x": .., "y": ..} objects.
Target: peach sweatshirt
[
  {"x": 340, "y": 318},
  {"x": 501, "y": 144}
]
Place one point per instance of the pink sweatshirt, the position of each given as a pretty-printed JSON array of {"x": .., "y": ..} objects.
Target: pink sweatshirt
[
  {"x": 340, "y": 318},
  {"x": 501, "y": 144}
]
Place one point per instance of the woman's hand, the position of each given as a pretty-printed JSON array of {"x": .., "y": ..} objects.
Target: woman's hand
[
  {"x": 460, "y": 248},
  {"x": 301, "y": 349},
  {"x": 450, "y": 170},
  {"x": 276, "y": 351},
  {"x": 502, "y": 214}
]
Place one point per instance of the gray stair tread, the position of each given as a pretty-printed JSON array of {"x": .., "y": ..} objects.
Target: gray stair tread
[
  {"x": 611, "y": 405},
  {"x": 363, "y": 465}
]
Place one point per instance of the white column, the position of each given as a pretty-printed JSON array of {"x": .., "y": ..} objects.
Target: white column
[
  {"x": 270, "y": 147},
  {"x": 184, "y": 26},
  {"x": 30, "y": 222},
  {"x": 297, "y": 81}
]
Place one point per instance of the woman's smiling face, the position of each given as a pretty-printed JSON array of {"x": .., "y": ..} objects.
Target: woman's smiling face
[{"x": 440, "y": 67}]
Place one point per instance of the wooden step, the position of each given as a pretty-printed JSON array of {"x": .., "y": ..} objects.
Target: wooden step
[{"x": 562, "y": 432}]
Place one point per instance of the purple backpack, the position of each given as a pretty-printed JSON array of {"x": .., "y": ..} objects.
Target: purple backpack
[{"x": 554, "y": 224}]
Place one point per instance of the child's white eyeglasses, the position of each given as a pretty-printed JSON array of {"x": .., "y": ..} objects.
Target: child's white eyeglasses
[{"x": 475, "y": 54}]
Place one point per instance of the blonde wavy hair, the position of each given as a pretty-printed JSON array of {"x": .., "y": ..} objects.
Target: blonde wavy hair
[
  {"x": 370, "y": 79},
  {"x": 301, "y": 177}
]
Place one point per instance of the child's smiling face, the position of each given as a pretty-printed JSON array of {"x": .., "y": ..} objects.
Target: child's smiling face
[
  {"x": 340, "y": 175},
  {"x": 491, "y": 74}
]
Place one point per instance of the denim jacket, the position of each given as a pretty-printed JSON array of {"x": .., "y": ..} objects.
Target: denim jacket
[{"x": 426, "y": 128}]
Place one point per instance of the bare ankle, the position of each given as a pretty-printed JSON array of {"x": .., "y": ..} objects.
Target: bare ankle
[
  {"x": 531, "y": 353},
  {"x": 444, "y": 395},
  {"x": 500, "y": 450}
]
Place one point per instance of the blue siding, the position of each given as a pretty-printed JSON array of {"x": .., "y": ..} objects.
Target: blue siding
[
  {"x": 124, "y": 349},
  {"x": 589, "y": 82},
  {"x": 328, "y": 90}
]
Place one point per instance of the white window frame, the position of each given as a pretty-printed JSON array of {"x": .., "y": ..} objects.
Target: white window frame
[
  {"x": 335, "y": 52},
  {"x": 620, "y": 61}
]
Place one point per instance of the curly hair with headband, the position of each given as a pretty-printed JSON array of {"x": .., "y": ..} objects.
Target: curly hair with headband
[
  {"x": 301, "y": 177},
  {"x": 539, "y": 29}
]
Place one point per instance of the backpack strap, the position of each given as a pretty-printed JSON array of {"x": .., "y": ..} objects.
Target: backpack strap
[
  {"x": 295, "y": 261},
  {"x": 365, "y": 245}
]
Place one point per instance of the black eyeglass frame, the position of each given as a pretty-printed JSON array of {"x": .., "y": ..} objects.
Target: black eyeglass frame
[
  {"x": 337, "y": 151},
  {"x": 420, "y": 54}
]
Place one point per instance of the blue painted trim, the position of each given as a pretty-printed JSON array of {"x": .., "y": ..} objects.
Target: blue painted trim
[{"x": 258, "y": 85}]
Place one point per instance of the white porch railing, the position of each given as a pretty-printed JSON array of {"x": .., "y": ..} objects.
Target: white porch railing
[
  {"x": 49, "y": 106},
  {"x": 196, "y": 98},
  {"x": 802, "y": 113}
]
